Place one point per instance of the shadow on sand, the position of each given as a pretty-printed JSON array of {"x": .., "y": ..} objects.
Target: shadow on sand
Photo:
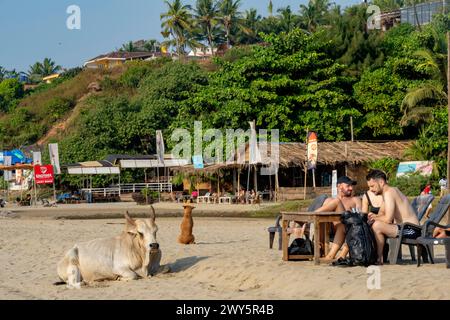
[
  {"x": 184, "y": 263},
  {"x": 223, "y": 242}
]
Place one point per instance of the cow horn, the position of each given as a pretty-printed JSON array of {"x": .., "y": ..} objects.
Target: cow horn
[
  {"x": 153, "y": 214},
  {"x": 129, "y": 219}
]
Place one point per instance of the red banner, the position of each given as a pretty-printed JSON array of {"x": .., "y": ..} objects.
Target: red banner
[{"x": 43, "y": 174}]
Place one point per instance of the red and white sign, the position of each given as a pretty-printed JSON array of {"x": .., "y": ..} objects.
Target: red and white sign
[{"x": 43, "y": 174}]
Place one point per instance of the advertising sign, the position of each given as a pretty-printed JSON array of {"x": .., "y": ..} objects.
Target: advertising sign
[
  {"x": 424, "y": 168},
  {"x": 312, "y": 150},
  {"x": 43, "y": 174}
]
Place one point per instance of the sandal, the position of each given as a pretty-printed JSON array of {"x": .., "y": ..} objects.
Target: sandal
[{"x": 341, "y": 262}]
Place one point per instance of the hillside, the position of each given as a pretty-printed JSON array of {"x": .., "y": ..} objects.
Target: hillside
[{"x": 47, "y": 107}]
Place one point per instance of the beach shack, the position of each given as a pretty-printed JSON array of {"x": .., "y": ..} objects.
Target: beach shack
[{"x": 292, "y": 181}]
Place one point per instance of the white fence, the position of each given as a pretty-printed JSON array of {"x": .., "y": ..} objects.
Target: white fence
[{"x": 129, "y": 188}]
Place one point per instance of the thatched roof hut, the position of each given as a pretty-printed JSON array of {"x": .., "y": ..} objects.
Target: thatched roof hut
[
  {"x": 332, "y": 153},
  {"x": 293, "y": 154}
]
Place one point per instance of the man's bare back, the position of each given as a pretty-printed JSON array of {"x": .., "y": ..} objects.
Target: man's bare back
[{"x": 403, "y": 211}]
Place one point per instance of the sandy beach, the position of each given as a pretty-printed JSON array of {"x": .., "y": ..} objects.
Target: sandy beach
[{"x": 231, "y": 260}]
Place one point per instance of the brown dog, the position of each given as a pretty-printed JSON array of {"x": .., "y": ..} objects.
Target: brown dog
[{"x": 186, "y": 236}]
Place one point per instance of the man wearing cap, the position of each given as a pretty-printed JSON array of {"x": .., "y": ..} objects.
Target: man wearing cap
[{"x": 344, "y": 201}]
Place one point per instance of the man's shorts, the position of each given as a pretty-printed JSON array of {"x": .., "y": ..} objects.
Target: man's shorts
[{"x": 410, "y": 232}]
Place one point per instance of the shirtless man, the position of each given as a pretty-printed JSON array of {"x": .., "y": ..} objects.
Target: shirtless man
[
  {"x": 395, "y": 207},
  {"x": 344, "y": 201}
]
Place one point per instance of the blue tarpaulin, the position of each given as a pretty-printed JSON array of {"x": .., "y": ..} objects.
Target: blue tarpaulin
[{"x": 16, "y": 155}]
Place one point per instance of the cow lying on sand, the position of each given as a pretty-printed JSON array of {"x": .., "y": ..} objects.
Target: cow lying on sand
[{"x": 134, "y": 253}]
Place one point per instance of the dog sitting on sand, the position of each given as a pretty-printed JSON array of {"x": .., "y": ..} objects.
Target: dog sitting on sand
[{"x": 187, "y": 224}]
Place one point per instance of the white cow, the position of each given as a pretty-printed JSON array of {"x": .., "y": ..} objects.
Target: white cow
[{"x": 134, "y": 253}]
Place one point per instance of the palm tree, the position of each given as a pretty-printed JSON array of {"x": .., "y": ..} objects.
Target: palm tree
[
  {"x": 128, "y": 47},
  {"x": 49, "y": 67},
  {"x": 207, "y": 18},
  {"x": 152, "y": 45},
  {"x": 35, "y": 69},
  {"x": 417, "y": 104},
  {"x": 250, "y": 27},
  {"x": 286, "y": 19},
  {"x": 313, "y": 14},
  {"x": 2, "y": 73},
  {"x": 230, "y": 17},
  {"x": 270, "y": 8},
  {"x": 176, "y": 22}
]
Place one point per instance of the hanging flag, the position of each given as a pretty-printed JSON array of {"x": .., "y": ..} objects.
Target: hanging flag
[
  {"x": 37, "y": 158},
  {"x": 54, "y": 157},
  {"x": 7, "y": 174},
  {"x": 255, "y": 155},
  {"x": 160, "y": 146},
  {"x": 312, "y": 150}
]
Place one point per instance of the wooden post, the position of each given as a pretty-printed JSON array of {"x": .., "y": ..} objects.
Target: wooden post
[
  {"x": 448, "y": 125},
  {"x": 248, "y": 176},
  {"x": 277, "y": 187},
  {"x": 314, "y": 178},
  {"x": 234, "y": 181},
  {"x": 304, "y": 182},
  {"x": 54, "y": 189},
  {"x": 239, "y": 179},
  {"x": 255, "y": 179},
  {"x": 34, "y": 187},
  {"x": 351, "y": 127},
  {"x": 218, "y": 183}
]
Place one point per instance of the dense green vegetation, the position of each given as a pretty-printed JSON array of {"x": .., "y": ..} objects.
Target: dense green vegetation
[{"x": 310, "y": 68}]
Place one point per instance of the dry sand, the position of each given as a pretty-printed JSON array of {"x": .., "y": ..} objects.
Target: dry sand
[{"x": 231, "y": 260}]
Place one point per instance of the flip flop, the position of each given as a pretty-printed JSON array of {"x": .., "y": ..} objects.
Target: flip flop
[{"x": 341, "y": 262}]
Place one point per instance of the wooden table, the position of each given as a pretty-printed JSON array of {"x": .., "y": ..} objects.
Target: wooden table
[{"x": 317, "y": 218}]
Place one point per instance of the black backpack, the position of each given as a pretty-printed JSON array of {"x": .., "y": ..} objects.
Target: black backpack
[
  {"x": 360, "y": 239},
  {"x": 301, "y": 247}
]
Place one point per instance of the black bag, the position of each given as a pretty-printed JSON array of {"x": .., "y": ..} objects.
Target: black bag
[
  {"x": 360, "y": 239},
  {"x": 301, "y": 246}
]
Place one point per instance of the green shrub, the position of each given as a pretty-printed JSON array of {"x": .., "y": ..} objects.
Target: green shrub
[
  {"x": 146, "y": 192},
  {"x": 388, "y": 165},
  {"x": 56, "y": 108},
  {"x": 412, "y": 185}
]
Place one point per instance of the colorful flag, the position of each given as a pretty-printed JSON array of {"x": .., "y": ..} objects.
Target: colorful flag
[{"x": 312, "y": 150}]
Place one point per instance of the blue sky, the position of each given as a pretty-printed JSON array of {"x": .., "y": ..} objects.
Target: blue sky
[{"x": 32, "y": 30}]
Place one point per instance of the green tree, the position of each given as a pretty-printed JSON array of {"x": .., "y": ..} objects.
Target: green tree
[
  {"x": 314, "y": 13},
  {"x": 231, "y": 18},
  {"x": 287, "y": 19},
  {"x": 10, "y": 91},
  {"x": 49, "y": 67},
  {"x": 128, "y": 47},
  {"x": 177, "y": 24},
  {"x": 291, "y": 85},
  {"x": 249, "y": 32},
  {"x": 207, "y": 19},
  {"x": 152, "y": 45},
  {"x": 46, "y": 68}
]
